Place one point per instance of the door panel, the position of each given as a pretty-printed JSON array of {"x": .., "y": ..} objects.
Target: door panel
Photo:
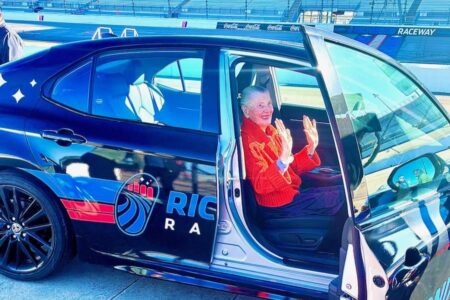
[
  {"x": 93, "y": 175},
  {"x": 134, "y": 185},
  {"x": 401, "y": 200}
]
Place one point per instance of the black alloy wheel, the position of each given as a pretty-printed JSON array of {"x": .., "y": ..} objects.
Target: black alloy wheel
[{"x": 33, "y": 230}]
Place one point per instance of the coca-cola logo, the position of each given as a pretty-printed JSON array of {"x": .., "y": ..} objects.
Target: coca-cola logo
[
  {"x": 278, "y": 27},
  {"x": 230, "y": 26},
  {"x": 253, "y": 26}
]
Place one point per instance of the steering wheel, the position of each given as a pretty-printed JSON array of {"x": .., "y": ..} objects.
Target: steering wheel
[{"x": 375, "y": 150}]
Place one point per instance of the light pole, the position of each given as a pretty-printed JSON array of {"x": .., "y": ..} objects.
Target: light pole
[
  {"x": 332, "y": 9},
  {"x": 288, "y": 9},
  {"x": 371, "y": 12},
  {"x": 448, "y": 20},
  {"x": 321, "y": 13},
  {"x": 246, "y": 9},
  {"x": 170, "y": 9},
  {"x": 404, "y": 12}
]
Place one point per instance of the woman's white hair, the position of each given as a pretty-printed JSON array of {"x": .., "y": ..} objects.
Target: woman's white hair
[{"x": 249, "y": 92}]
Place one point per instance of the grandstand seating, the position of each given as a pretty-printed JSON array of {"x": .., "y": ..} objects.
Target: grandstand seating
[
  {"x": 268, "y": 9},
  {"x": 215, "y": 4},
  {"x": 434, "y": 6},
  {"x": 330, "y": 5},
  {"x": 434, "y": 12}
]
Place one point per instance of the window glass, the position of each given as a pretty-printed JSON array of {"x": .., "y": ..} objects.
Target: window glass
[
  {"x": 191, "y": 68},
  {"x": 191, "y": 74},
  {"x": 399, "y": 129},
  {"x": 72, "y": 89},
  {"x": 145, "y": 87},
  {"x": 298, "y": 88},
  {"x": 170, "y": 77}
]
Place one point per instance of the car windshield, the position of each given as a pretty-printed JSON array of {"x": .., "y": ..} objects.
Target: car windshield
[{"x": 409, "y": 124}]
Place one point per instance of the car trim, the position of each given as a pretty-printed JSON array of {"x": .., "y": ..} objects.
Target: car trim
[{"x": 216, "y": 277}]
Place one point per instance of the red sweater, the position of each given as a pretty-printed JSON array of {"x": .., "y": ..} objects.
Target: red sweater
[{"x": 261, "y": 151}]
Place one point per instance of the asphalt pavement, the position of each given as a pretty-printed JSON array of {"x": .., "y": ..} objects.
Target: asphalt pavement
[{"x": 81, "y": 280}]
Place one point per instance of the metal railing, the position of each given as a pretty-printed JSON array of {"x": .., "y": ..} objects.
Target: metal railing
[{"x": 315, "y": 11}]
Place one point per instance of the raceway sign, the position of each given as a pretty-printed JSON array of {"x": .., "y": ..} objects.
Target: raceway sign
[{"x": 419, "y": 31}]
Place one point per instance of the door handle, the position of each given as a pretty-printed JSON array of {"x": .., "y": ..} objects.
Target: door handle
[{"x": 63, "y": 137}]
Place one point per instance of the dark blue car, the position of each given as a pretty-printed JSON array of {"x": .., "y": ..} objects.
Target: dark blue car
[{"x": 127, "y": 151}]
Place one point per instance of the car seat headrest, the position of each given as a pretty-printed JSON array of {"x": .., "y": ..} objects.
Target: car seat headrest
[
  {"x": 135, "y": 72},
  {"x": 110, "y": 86}
]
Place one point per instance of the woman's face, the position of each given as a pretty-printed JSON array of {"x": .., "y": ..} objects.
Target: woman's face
[{"x": 259, "y": 109}]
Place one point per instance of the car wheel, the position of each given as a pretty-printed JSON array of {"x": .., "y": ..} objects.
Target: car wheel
[{"x": 34, "y": 235}]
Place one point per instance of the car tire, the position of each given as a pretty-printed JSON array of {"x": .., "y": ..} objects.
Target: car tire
[{"x": 34, "y": 233}]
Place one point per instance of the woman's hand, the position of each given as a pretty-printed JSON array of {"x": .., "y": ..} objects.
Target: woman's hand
[
  {"x": 312, "y": 136},
  {"x": 286, "y": 142}
]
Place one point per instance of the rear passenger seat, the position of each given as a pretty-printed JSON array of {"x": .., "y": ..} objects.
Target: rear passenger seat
[
  {"x": 130, "y": 96},
  {"x": 145, "y": 99},
  {"x": 110, "y": 97}
]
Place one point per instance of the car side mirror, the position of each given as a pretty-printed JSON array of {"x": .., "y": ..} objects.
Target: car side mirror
[{"x": 416, "y": 172}]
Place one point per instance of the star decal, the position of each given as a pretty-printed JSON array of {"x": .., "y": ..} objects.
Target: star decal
[
  {"x": 2, "y": 81},
  {"x": 18, "y": 96},
  {"x": 33, "y": 83}
]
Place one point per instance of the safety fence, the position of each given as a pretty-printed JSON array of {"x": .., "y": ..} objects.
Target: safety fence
[{"x": 418, "y": 12}]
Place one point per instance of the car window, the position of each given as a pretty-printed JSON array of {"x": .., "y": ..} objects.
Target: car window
[
  {"x": 72, "y": 89},
  {"x": 145, "y": 87},
  {"x": 170, "y": 77},
  {"x": 299, "y": 89},
  {"x": 191, "y": 69},
  {"x": 183, "y": 75},
  {"x": 400, "y": 130}
]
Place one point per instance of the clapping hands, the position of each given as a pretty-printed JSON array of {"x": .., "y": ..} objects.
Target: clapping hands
[
  {"x": 286, "y": 141},
  {"x": 312, "y": 136}
]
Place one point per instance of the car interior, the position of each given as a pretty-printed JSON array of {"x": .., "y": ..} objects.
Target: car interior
[
  {"x": 127, "y": 89},
  {"x": 305, "y": 240}
]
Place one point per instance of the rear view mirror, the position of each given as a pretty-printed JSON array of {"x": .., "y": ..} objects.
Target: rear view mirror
[
  {"x": 416, "y": 172},
  {"x": 366, "y": 123}
]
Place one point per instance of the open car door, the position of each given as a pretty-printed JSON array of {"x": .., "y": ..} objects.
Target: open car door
[{"x": 395, "y": 157}]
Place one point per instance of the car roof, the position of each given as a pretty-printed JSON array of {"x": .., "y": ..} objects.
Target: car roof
[
  {"x": 278, "y": 43},
  {"x": 285, "y": 43},
  {"x": 288, "y": 48}
]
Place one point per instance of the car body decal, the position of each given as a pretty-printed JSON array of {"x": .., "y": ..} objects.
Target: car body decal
[{"x": 89, "y": 211}]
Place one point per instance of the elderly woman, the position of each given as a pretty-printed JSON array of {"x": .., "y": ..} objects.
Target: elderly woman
[{"x": 272, "y": 168}]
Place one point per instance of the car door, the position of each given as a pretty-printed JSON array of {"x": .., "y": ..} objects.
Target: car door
[
  {"x": 395, "y": 141},
  {"x": 133, "y": 165}
]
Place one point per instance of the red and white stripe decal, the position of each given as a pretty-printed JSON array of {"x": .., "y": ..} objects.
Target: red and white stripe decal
[{"x": 89, "y": 212}]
